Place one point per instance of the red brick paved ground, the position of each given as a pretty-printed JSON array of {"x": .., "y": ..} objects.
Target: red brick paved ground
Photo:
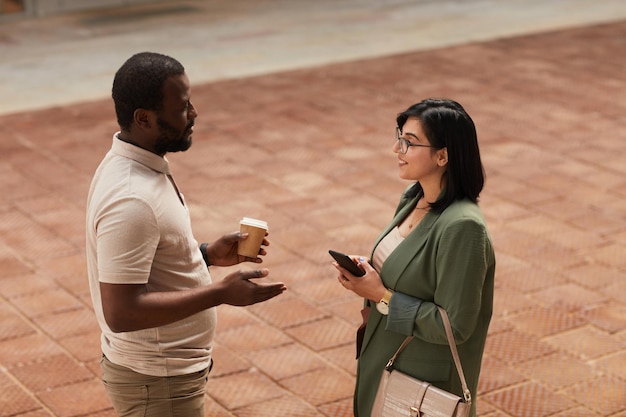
[{"x": 310, "y": 151}]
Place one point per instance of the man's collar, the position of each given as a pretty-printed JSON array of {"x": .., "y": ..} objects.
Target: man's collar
[{"x": 144, "y": 157}]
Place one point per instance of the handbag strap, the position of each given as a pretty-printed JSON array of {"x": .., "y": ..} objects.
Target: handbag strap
[{"x": 467, "y": 395}]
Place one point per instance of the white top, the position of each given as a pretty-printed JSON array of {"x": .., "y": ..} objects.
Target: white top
[
  {"x": 387, "y": 245},
  {"x": 139, "y": 232}
]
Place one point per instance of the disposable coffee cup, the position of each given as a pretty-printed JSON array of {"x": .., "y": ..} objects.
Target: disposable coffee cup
[{"x": 256, "y": 230}]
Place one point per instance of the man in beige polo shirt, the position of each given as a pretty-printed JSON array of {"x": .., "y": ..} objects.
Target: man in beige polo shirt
[{"x": 149, "y": 277}]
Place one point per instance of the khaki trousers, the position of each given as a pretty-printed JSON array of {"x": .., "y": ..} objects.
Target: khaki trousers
[{"x": 137, "y": 395}]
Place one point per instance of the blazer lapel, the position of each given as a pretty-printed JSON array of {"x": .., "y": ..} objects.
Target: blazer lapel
[
  {"x": 400, "y": 258},
  {"x": 402, "y": 213},
  {"x": 393, "y": 268}
]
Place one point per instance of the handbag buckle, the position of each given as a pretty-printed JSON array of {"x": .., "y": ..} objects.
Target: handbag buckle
[
  {"x": 467, "y": 395},
  {"x": 415, "y": 412}
]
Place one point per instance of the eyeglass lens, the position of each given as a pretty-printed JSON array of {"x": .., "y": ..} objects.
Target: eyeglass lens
[{"x": 404, "y": 144}]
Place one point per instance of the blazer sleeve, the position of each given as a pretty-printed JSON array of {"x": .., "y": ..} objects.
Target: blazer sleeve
[
  {"x": 403, "y": 310},
  {"x": 463, "y": 257}
]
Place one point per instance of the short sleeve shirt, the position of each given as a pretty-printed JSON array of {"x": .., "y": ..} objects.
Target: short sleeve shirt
[{"x": 139, "y": 232}]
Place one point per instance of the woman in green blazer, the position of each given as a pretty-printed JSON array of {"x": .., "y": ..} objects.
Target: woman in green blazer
[{"x": 436, "y": 251}]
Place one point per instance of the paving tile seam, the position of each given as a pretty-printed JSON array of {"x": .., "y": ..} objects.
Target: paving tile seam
[
  {"x": 269, "y": 323},
  {"x": 36, "y": 329},
  {"x": 564, "y": 389},
  {"x": 282, "y": 382},
  {"x": 253, "y": 368},
  {"x": 32, "y": 395},
  {"x": 524, "y": 384},
  {"x": 292, "y": 341},
  {"x": 34, "y": 361}
]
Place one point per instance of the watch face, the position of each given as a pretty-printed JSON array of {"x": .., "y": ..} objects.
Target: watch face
[{"x": 383, "y": 308}]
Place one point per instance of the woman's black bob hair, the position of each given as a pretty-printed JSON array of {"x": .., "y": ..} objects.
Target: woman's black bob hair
[{"x": 447, "y": 125}]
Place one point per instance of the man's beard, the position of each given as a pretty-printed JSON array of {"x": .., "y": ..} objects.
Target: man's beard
[{"x": 171, "y": 139}]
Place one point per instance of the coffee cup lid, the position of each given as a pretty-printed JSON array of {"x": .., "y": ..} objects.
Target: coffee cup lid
[{"x": 254, "y": 222}]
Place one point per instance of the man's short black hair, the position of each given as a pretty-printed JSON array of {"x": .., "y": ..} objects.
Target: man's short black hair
[{"x": 138, "y": 84}]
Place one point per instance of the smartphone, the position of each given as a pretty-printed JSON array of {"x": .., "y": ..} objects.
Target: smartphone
[{"x": 347, "y": 262}]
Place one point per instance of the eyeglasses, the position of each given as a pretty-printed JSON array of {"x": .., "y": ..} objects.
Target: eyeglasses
[{"x": 405, "y": 144}]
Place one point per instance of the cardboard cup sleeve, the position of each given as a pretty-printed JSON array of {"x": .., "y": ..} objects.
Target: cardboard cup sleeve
[{"x": 256, "y": 228}]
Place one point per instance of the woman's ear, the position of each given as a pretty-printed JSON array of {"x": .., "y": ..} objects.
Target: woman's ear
[{"x": 442, "y": 157}]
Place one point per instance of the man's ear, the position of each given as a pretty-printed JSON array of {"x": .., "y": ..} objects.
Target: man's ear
[
  {"x": 442, "y": 157},
  {"x": 143, "y": 118}
]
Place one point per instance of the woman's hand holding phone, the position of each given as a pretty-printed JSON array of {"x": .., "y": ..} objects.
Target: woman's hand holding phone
[{"x": 346, "y": 262}]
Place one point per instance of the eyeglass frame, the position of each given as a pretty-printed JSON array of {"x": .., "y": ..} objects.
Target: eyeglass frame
[{"x": 408, "y": 144}]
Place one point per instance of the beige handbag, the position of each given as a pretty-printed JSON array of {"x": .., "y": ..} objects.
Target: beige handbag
[{"x": 400, "y": 395}]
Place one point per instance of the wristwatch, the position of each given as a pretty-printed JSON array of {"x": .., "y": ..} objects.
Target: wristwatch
[{"x": 383, "y": 305}]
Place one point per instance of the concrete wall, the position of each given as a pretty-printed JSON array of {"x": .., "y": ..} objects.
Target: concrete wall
[{"x": 50, "y": 7}]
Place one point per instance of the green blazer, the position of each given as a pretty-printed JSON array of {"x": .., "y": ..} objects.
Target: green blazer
[{"x": 447, "y": 260}]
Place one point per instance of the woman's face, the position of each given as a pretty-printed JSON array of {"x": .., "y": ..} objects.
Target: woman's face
[{"x": 419, "y": 163}]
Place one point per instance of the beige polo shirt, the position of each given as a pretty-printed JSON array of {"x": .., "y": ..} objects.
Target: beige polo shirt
[{"x": 139, "y": 232}]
